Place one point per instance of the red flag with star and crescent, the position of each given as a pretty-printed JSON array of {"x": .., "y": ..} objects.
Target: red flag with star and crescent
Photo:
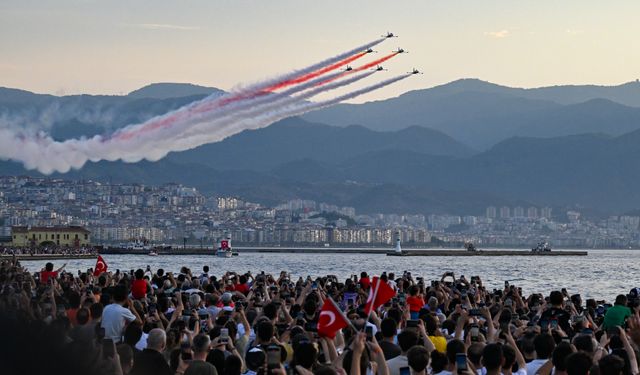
[
  {"x": 379, "y": 294},
  {"x": 101, "y": 266},
  {"x": 331, "y": 320}
]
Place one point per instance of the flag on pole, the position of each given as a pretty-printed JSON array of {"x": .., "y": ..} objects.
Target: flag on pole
[
  {"x": 379, "y": 294},
  {"x": 331, "y": 319},
  {"x": 101, "y": 266}
]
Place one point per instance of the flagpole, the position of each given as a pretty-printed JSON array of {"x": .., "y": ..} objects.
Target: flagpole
[
  {"x": 373, "y": 301},
  {"x": 342, "y": 313}
]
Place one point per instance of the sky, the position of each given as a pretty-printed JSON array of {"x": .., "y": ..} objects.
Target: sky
[{"x": 113, "y": 47}]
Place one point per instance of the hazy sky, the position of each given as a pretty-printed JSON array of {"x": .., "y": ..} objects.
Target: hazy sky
[{"x": 112, "y": 47}]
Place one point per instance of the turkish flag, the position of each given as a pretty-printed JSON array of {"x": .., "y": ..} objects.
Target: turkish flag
[
  {"x": 101, "y": 266},
  {"x": 379, "y": 294},
  {"x": 224, "y": 244},
  {"x": 331, "y": 320}
]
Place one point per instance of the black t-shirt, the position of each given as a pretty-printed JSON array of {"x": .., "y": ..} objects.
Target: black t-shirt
[
  {"x": 560, "y": 315},
  {"x": 389, "y": 349}
]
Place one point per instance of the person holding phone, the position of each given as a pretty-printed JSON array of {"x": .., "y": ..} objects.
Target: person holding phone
[{"x": 151, "y": 360}]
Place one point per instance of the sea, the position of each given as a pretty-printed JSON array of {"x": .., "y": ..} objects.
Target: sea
[{"x": 602, "y": 274}]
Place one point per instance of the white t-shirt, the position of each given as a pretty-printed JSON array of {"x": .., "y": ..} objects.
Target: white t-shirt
[
  {"x": 534, "y": 365},
  {"x": 114, "y": 318},
  {"x": 142, "y": 343},
  {"x": 395, "y": 363}
]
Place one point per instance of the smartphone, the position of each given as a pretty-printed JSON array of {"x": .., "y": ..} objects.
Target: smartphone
[
  {"x": 412, "y": 323},
  {"x": 544, "y": 325},
  {"x": 369, "y": 331},
  {"x": 474, "y": 332},
  {"x": 506, "y": 284},
  {"x": 224, "y": 335},
  {"x": 108, "y": 348},
  {"x": 273, "y": 356},
  {"x": 185, "y": 352},
  {"x": 405, "y": 371},
  {"x": 554, "y": 324},
  {"x": 475, "y": 312},
  {"x": 504, "y": 326},
  {"x": 461, "y": 361}
]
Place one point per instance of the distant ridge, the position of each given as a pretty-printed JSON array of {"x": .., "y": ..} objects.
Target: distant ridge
[{"x": 172, "y": 90}]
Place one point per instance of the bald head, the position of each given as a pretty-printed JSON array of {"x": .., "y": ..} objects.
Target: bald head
[{"x": 157, "y": 339}]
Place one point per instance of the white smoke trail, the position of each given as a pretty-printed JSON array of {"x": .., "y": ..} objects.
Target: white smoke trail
[
  {"x": 154, "y": 145},
  {"x": 188, "y": 110},
  {"x": 217, "y": 129},
  {"x": 297, "y": 108},
  {"x": 47, "y": 156}
]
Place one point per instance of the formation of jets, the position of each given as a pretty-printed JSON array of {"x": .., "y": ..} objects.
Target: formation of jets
[{"x": 379, "y": 67}]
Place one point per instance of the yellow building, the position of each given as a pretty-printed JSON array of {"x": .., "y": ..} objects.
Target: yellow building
[{"x": 72, "y": 236}]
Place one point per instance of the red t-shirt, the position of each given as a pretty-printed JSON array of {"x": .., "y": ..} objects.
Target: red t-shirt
[
  {"x": 243, "y": 288},
  {"x": 415, "y": 303},
  {"x": 71, "y": 314},
  {"x": 139, "y": 288},
  {"x": 365, "y": 282},
  {"x": 46, "y": 275}
]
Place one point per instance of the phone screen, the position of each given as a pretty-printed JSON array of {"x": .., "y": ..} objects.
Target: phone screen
[
  {"x": 108, "y": 348},
  {"x": 224, "y": 335},
  {"x": 405, "y": 371},
  {"x": 273, "y": 356},
  {"x": 369, "y": 331},
  {"x": 461, "y": 361}
]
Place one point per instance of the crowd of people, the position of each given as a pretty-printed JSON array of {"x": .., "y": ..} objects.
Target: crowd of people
[
  {"x": 150, "y": 321},
  {"x": 48, "y": 250}
]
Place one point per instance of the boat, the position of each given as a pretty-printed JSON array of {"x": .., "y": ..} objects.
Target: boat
[
  {"x": 225, "y": 250},
  {"x": 153, "y": 253},
  {"x": 469, "y": 246},
  {"x": 137, "y": 244},
  {"x": 542, "y": 246}
]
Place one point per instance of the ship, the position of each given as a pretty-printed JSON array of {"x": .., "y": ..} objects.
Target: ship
[
  {"x": 225, "y": 250},
  {"x": 469, "y": 246},
  {"x": 542, "y": 246}
]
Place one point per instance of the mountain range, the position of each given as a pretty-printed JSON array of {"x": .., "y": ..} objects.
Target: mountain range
[{"x": 455, "y": 148}]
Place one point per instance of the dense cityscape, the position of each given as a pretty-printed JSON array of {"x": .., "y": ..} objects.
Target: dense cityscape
[{"x": 175, "y": 214}]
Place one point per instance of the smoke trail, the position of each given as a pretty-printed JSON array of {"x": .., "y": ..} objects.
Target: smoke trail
[
  {"x": 253, "y": 90},
  {"x": 47, "y": 155},
  {"x": 233, "y": 108},
  {"x": 201, "y": 133},
  {"x": 376, "y": 62},
  {"x": 157, "y": 144},
  {"x": 218, "y": 133},
  {"x": 317, "y": 73}
]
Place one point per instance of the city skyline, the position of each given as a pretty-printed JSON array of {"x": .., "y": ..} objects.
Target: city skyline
[{"x": 112, "y": 48}]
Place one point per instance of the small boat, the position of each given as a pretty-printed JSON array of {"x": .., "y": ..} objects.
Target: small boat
[
  {"x": 542, "y": 247},
  {"x": 153, "y": 253},
  {"x": 469, "y": 246},
  {"x": 225, "y": 250}
]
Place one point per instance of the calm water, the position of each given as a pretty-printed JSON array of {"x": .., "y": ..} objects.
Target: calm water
[{"x": 602, "y": 274}]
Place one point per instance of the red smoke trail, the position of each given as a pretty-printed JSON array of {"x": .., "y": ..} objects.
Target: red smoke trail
[
  {"x": 315, "y": 74},
  {"x": 360, "y": 68},
  {"x": 220, "y": 103},
  {"x": 203, "y": 107},
  {"x": 375, "y": 62}
]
